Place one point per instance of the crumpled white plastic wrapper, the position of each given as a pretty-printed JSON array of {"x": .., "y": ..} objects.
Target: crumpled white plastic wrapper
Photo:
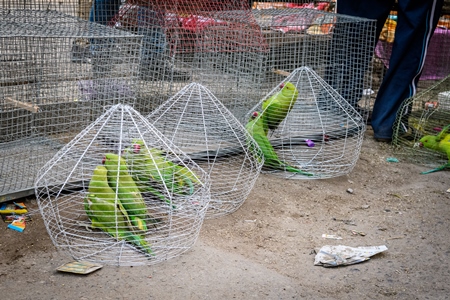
[{"x": 333, "y": 256}]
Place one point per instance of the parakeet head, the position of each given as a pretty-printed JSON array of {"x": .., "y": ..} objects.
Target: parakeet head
[
  {"x": 100, "y": 170},
  {"x": 427, "y": 141},
  {"x": 136, "y": 148},
  {"x": 289, "y": 90},
  {"x": 111, "y": 158},
  {"x": 289, "y": 86},
  {"x": 106, "y": 158},
  {"x": 255, "y": 116}
]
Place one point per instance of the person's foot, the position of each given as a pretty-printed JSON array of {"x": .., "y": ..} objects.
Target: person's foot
[{"x": 383, "y": 140}]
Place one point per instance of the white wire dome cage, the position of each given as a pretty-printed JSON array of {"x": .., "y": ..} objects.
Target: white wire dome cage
[
  {"x": 426, "y": 113},
  {"x": 121, "y": 194},
  {"x": 318, "y": 133},
  {"x": 201, "y": 126}
]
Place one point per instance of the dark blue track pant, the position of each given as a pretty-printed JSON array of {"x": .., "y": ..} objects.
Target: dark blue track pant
[{"x": 416, "y": 22}]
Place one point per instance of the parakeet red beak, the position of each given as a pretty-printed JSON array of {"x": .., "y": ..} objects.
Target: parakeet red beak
[
  {"x": 136, "y": 148},
  {"x": 255, "y": 114},
  {"x": 103, "y": 160},
  {"x": 420, "y": 144},
  {"x": 281, "y": 85}
]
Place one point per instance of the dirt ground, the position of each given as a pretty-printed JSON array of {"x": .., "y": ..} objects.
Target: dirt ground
[{"x": 266, "y": 249}]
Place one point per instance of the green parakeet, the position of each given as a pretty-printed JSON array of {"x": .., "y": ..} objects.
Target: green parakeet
[
  {"x": 100, "y": 187},
  {"x": 120, "y": 180},
  {"x": 107, "y": 213},
  {"x": 439, "y": 142},
  {"x": 256, "y": 129},
  {"x": 150, "y": 166},
  {"x": 276, "y": 108},
  {"x": 111, "y": 218},
  {"x": 138, "y": 167}
]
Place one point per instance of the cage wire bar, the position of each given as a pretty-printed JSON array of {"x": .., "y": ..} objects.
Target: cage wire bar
[
  {"x": 321, "y": 134},
  {"x": 200, "y": 125},
  {"x": 94, "y": 211},
  {"x": 215, "y": 43},
  {"x": 337, "y": 47},
  {"x": 48, "y": 93},
  {"x": 426, "y": 113}
]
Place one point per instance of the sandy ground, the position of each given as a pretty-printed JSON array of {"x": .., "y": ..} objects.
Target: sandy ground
[{"x": 266, "y": 249}]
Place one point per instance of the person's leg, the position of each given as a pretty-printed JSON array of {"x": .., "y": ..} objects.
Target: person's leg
[
  {"x": 150, "y": 26},
  {"x": 370, "y": 9},
  {"x": 353, "y": 46},
  {"x": 102, "y": 11},
  {"x": 416, "y": 22},
  {"x": 155, "y": 64}
]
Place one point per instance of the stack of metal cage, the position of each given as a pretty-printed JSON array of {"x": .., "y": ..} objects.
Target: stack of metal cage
[
  {"x": 337, "y": 47},
  {"x": 216, "y": 44},
  {"x": 49, "y": 92},
  {"x": 59, "y": 70}
]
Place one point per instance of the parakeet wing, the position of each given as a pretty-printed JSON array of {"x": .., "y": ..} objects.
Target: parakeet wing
[{"x": 276, "y": 108}]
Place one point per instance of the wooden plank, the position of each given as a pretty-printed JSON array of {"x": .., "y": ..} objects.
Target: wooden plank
[{"x": 30, "y": 107}]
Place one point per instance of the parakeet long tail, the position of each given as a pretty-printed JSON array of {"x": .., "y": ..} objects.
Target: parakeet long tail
[
  {"x": 440, "y": 168},
  {"x": 295, "y": 170},
  {"x": 138, "y": 242},
  {"x": 280, "y": 165},
  {"x": 158, "y": 194}
]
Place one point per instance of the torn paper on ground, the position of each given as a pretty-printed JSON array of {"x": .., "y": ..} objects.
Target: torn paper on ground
[{"x": 333, "y": 256}]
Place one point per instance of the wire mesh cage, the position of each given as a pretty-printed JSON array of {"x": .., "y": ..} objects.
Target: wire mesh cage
[
  {"x": 437, "y": 61},
  {"x": 75, "y": 8},
  {"x": 47, "y": 95},
  {"x": 306, "y": 129},
  {"x": 201, "y": 126},
  {"x": 215, "y": 43},
  {"x": 337, "y": 47},
  {"x": 424, "y": 114},
  {"x": 120, "y": 193}
]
